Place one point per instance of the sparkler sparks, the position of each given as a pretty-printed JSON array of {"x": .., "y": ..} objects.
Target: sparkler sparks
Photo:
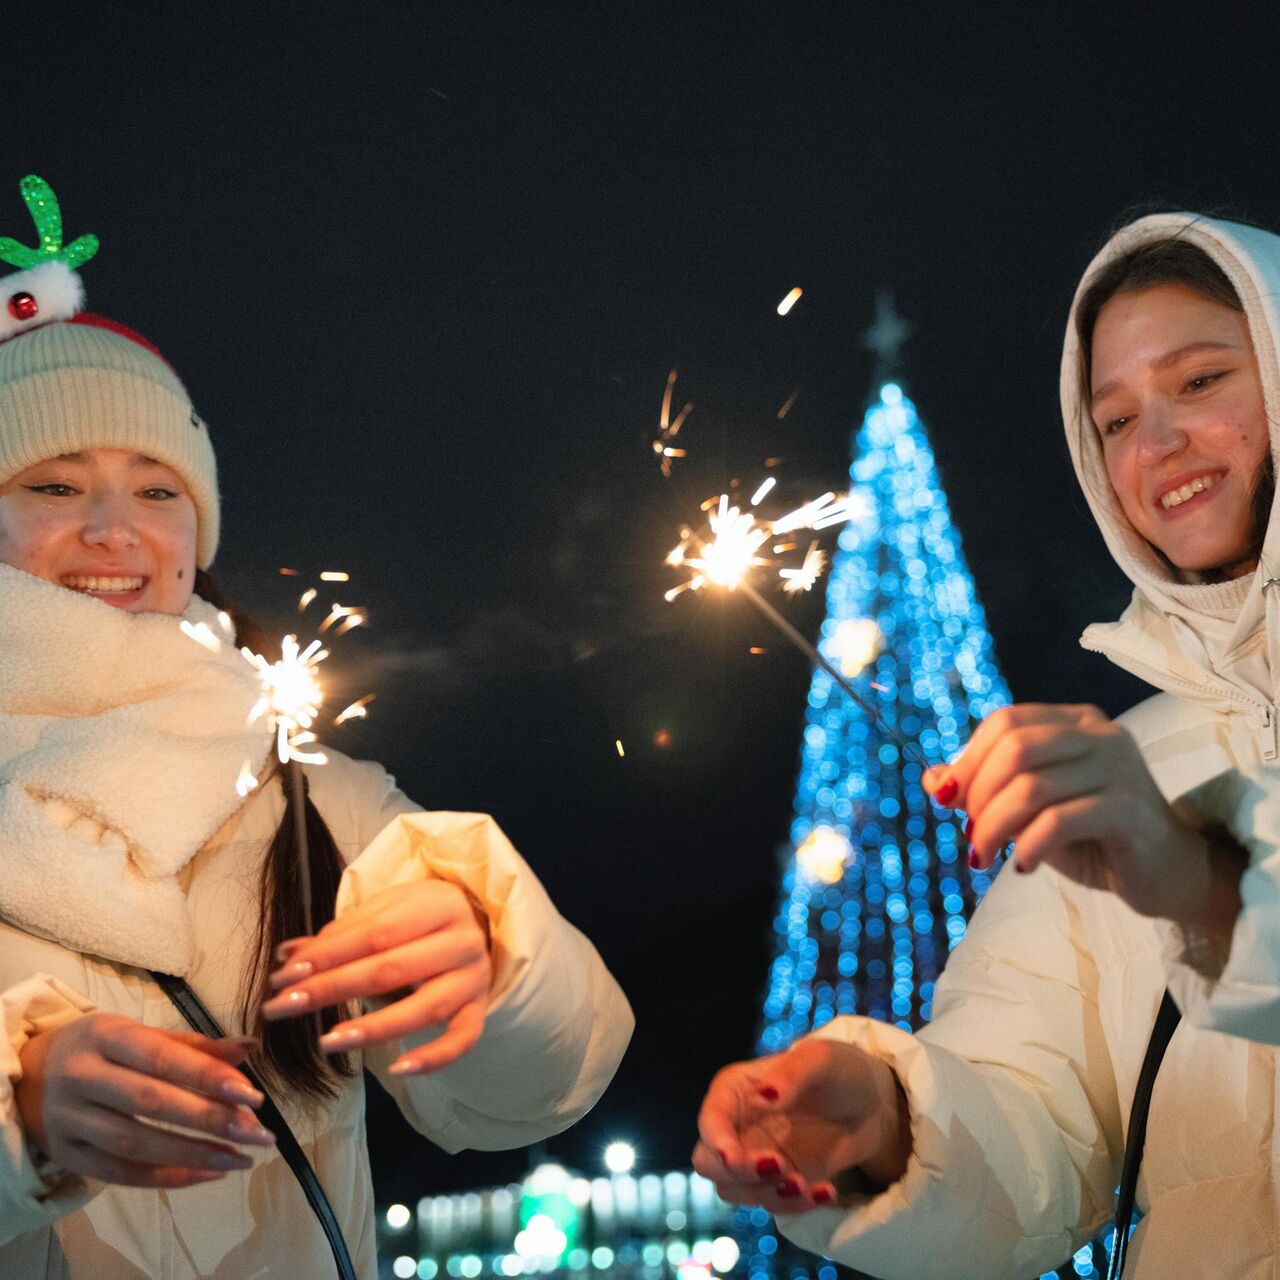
[
  {"x": 358, "y": 710},
  {"x": 349, "y": 618},
  {"x": 669, "y": 429},
  {"x": 758, "y": 497},
  {"x": 803, "y": 578},
  {"x": 727, "y": 556},
  {"x": 731, "y": 550},
  {"x": 247, "y": 780},
  {"x": 291, "y": 695},
  {"x": 201, "y": 633},
  {"x": 789, "y": 301}
]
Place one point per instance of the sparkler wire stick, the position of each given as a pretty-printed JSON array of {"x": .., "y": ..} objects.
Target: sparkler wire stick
[
  {"x": 299, "y": 805},
  {"x": 811, "y": 652}
]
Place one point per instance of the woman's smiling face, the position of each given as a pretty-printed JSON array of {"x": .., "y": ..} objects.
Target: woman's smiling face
[
  {"x": 1177, "y": 403},
  {"x": 107, "y": 522}
]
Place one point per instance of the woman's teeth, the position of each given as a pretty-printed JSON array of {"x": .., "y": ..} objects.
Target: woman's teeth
[
  {"x": 1177, "y": 497},
  {"x": 104, "y": 586}
]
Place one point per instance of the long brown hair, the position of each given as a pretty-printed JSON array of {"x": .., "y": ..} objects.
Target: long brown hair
[
  {"x": 1171, "y": 261},
  {"x": 289, "y": 1055}
]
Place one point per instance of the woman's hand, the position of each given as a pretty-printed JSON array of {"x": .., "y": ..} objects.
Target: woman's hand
[
  {"x": 422, "y": 943},
  {"x": 1070, "y": 788},
  {"x": 782, "y": 1131},
  {"x": 90, "y": 1089}
]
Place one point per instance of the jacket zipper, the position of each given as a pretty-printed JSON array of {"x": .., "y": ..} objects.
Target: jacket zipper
[{"x": 1160, "y": 676}]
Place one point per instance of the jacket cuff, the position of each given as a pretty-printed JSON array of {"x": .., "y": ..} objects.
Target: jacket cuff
[
  {"x": 1238, "y": 993},
  {"x": 950, "y": 1214},
  {"x": 33, "y": 1190},
  {"x": 556, "y": 1023}
]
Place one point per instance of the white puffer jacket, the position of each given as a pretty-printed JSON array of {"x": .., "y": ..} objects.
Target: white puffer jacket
[
  {"x": 556, "y": 1029},
  {"x": 1021, "y": 1086}
]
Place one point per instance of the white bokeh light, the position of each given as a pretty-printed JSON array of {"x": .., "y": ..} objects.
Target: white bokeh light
[{"x": 619, "y": 1157}]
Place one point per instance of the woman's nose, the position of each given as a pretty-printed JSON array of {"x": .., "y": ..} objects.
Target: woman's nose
[
  {"x": 110, "y": 525},
  {"x": 1159, "y": 435}
]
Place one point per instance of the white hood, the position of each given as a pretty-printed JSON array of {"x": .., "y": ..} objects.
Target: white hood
[{"x": 1217, "y": 643}]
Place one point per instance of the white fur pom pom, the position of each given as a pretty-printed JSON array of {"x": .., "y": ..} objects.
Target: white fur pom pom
[{"x": 54, "y": 288}]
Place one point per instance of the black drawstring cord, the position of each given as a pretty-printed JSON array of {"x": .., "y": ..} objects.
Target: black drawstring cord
[{"x": 1166, "y": 1023}]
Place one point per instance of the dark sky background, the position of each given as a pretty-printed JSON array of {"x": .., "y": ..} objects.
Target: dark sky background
[{"x": 425, "y": 269}]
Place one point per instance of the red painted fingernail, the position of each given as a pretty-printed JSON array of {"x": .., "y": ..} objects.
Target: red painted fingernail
[
  {"x": 768, "y": 1093},
  {"x": 767, "y": 1167},
  {"x": 720, "y": 1156},
  {"x": 968, "y": 829},
  {"x": 821, "y": 1196},
  {"x": 947, "y": 792},
  {"x": 1019, "y": 868},
  {"x": 788, "y": 1187},
  {"x": 973, "y": 858}
]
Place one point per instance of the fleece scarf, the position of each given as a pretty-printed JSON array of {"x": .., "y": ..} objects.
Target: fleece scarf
[{"x": 121, "y": 740}]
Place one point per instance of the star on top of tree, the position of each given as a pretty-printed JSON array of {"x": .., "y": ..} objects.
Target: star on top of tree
[{"x": 886, "y": 335}]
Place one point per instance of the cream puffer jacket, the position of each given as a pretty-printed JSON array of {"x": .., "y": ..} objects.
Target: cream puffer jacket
[
  {"x": 555, "y": 1032},
  {"x": 1021, "y": 1086}
]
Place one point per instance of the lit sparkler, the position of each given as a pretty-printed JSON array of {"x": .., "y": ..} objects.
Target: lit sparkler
[
  {"x": 726, "y": 557},
  {"x": 290, "y": 695}
]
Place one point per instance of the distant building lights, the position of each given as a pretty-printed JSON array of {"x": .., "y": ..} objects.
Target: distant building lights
[
  {"x": 619, "y": 1157},
  {"x": 540, "y": 1239},
  {"x": 398, "y": 1217},
  {"x": 724, "y": 1254},
  {"x": 404, "y": 1267}
]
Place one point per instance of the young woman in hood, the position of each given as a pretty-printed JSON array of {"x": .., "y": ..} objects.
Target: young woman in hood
[
  {"x": 131, "y": 1145},
  {"x": 1146, "y": 855}
]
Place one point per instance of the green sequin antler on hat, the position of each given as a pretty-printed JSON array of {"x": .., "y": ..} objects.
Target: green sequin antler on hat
[{"x": 45, "y": 213}]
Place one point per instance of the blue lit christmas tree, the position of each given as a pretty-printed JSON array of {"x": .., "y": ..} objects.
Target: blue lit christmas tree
[{"x": 869, "y": 932}]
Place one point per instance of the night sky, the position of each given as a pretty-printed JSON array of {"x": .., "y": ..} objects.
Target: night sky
[{"x": 425, "y": 269}]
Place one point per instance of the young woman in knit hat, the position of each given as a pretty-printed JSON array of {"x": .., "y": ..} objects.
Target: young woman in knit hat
[
  {"x": 990, "y": 1143},
  {"x": 132, "y": 1145}
]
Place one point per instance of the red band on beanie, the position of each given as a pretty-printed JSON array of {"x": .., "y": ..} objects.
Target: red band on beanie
[{"x": 114, "y": 326}]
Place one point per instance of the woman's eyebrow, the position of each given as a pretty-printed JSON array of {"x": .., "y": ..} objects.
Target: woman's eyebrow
[{"x": 1167, "y": 361}]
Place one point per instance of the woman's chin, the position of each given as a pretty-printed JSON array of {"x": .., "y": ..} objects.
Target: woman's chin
[{"x": 1217, "y": 564}]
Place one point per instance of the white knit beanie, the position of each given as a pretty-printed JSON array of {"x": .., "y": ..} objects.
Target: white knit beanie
[{"x": 70, "y": 380}]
